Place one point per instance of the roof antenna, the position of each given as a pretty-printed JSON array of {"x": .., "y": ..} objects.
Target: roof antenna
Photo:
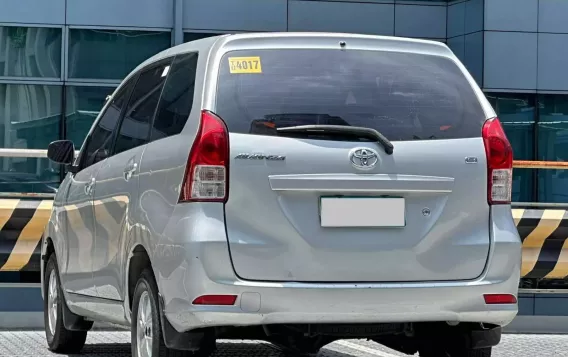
[{"x": 342, "y": 44}]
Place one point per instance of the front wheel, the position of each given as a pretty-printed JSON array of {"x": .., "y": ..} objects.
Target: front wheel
[{"x": 59, "y": 339}]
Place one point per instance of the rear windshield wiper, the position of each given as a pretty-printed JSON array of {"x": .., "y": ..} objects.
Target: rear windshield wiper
[{"x": 357, "y": 131}]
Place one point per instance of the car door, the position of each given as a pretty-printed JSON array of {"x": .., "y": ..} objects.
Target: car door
[
  {"x": 162, "y": 167},
  {"x": 76, "y": 272},
  {"x": 116, "y": 194}
]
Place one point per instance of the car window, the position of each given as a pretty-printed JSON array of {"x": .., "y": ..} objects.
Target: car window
[
  {"x": 405, "y": 96},
  {"x": 135, "y": 126},
  {"x": 177, "y": 97},
  {"x": 99, "y": 143}
]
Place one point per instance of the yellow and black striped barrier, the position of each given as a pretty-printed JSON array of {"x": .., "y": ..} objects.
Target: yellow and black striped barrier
[
  {"x": 544, "y": 233},
  {"x": 22, "y": 222}
]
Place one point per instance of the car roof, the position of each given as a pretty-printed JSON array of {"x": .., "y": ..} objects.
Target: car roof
[
  {"x": 257, "y": 40},
  {"x": 214, "y": 47}
]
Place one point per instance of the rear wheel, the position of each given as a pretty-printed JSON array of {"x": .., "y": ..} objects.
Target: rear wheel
[
  {"x": 147, "y": 338},
  {"x": 59, "y": 339}
]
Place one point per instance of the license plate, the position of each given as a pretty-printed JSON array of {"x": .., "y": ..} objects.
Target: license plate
[{"x": 362, "y": 212}]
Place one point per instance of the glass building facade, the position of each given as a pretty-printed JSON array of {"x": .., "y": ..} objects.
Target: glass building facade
[{"x": 59, "y": 60}]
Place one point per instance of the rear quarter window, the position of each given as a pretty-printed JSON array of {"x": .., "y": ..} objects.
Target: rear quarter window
[{"x": 405, "y": 96}]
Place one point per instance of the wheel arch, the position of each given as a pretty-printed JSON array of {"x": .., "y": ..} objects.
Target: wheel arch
[
  {"x": 48, "y": 246},
  {"x": 48, "y": 251},
  {"x": 138, "y": 260},
  {"x": 71, "y": 321}
]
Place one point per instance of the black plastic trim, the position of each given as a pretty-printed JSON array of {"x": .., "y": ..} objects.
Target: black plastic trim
[
  {"x": 71, "y": 321},
  {"x": 74, "y": 322},
  {"x": 185, "y": 341},
  {"x": 483, "y": 338},
  {"x": 464, "y": 336}
]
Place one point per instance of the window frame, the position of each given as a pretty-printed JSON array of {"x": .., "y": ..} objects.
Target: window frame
[
  {"x": 146, "y": 68},
  {"x": 541, "y": 175},
  {"x": 55, "y": 90},
  {"x": 67, "y": 38},
  {"x": 63, "y": 50},
  {"x": 208, "y": 34},
  {"x": 81, "y": 157},
  {"x": 533, "y": 100},
  {"x": 197, "y": 54},
  {"x": 69, "y": 85},
  {"x": 189, "y": 30}
]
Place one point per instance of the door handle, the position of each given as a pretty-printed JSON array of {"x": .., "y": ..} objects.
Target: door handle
[
  {"x": 89, "y": 187},
  {"x": 130, "y": 170}
]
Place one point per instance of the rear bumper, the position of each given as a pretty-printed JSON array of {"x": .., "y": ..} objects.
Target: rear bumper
[
  {"x": 265, "y": 303},
  {"x": 203, "y": 267}
]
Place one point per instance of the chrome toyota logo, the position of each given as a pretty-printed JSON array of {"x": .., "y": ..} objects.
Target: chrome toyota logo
[{"x": 363, "y": 158}]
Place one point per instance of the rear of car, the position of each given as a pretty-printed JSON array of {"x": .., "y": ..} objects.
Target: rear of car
[{"x": 362, "y": 180}]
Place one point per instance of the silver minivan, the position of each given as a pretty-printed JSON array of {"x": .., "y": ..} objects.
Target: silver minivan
[{"x": 297, "y": 188}]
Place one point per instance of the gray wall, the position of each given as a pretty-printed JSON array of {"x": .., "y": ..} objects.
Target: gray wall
[
  {"x": 505, "y": 44},
  {"x": 465, "y": 34},
  {"x": 403, "y": 18},
  {"x": 512, "y": 45},
  {"x": 425, "y": 19},
  {"x": 526, "y": 45}
]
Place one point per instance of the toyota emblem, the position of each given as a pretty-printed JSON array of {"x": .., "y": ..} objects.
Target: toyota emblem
[{"x": 363, "y": 158}]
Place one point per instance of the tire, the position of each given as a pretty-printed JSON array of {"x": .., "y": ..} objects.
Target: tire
[
  {"x": 147, "y": 339},
  {"x": 436, "y": 351},
  {"x": 59, "y": 339}
]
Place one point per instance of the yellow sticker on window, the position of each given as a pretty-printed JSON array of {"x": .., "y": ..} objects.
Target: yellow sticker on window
[{"x": 245, "y": 65}]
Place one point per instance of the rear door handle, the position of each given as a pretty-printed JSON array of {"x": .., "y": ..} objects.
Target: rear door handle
[
  {"x": 130, "y": 170},
  {"x": 89, "y": 187}
]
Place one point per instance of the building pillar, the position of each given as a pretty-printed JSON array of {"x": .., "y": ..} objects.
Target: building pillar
[{"x": 178, "y": 22}]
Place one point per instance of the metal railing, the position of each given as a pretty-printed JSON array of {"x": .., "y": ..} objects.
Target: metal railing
[
  {"x": 23, "y": 153},
  {"x": 517, "y": 164},
  {"x": 541, "y": 165},
  {"x": 38, "y": 154}
]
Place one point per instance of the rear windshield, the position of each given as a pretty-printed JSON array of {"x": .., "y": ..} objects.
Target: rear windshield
[{"x": 404, "y": 96}]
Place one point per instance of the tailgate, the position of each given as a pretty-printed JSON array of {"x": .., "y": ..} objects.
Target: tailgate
[{"x": 317, "y": 207}]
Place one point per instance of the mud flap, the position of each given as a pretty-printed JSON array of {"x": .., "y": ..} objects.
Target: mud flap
[
  {"x": 185, "y": 341},
  {"x": 74, "y": 322}
]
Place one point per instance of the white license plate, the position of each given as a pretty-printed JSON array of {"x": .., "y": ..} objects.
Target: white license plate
[{"x": 362, "y": 212}]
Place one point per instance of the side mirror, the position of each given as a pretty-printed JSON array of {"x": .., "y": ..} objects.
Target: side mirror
[{"x": 61, "y": 152}]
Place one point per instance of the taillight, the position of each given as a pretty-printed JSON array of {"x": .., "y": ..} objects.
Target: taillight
[
  {"x": 498, "y": 299},
  {"x": 207, "y": 167},
  {"x": 499, "y": 163},
  {"x": 215, "y": 300}
]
